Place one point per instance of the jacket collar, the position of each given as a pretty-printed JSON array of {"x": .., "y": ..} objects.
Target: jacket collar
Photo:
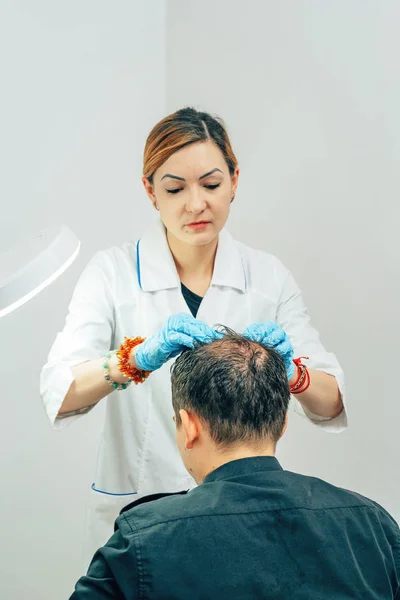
[
  {"x": 156, "y": 268},
  {"x": 244, "y": 466}
]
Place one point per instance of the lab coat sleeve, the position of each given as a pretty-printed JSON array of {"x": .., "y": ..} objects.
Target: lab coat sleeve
[
  {"x": 113, "y": 572},
  {"x": 292, "y": 316},
  {"x": 87, "y": 335}
]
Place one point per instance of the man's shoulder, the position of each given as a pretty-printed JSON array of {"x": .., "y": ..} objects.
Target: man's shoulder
[
  {"x": 298, "y": 492},
  {"x": 150, "y": 498},
  {"x": 325, "y": 495},
  {"x": 153, "y": 509}
]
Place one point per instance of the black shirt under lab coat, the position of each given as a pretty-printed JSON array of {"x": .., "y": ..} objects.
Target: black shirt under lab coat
[{"x": 251, "y": 530}]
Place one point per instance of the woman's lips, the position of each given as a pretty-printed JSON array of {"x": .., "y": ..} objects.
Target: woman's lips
[{"x": 198, "y": 225}]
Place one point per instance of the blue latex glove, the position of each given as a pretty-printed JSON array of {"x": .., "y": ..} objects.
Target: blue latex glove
[
  {"x": 180, "y": 332},
  {"x": 270, "y": 334}
]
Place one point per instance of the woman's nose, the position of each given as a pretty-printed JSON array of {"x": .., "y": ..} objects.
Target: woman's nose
[{"x": 196, "y": 202}]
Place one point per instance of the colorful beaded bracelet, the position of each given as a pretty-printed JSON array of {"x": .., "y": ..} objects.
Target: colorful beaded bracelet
[{"x": 114, "y": 384}]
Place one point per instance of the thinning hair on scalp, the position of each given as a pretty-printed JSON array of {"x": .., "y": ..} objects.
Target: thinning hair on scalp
[
  {"x": 237, "y": 387},
  {"x": 181, "y": 128}
]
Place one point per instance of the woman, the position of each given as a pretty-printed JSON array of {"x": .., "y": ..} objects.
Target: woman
[{"x": 187, "y": 263}]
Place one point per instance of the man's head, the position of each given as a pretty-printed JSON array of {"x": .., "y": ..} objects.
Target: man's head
[{"x": 230, "y": 399}]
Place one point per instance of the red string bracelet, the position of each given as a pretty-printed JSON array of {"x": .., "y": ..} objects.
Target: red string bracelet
[{"x": 303, "y": 380}]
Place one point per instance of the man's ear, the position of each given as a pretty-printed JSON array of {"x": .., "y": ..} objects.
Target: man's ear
[{"x": 191, "y": 427}]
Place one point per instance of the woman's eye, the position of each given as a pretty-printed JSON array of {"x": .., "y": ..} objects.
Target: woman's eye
[{"x": 211, "y": 186}]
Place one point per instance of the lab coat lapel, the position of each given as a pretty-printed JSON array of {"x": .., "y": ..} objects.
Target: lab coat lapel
[
  {"x": 228, "y": 269},
  {"x": 226, "y": 301},
  {"x": 155, "y": 265},
  {"x": 157, "y": 271}
]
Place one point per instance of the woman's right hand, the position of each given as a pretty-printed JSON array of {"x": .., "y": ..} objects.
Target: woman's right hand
[
  {"x": 270, "y": 334},
  {"x": 180, "y": 332}
]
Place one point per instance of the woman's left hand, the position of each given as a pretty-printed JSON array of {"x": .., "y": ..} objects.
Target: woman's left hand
[
  {"x": 181, "y": 331},
  {"x": 271, "y": 335}
]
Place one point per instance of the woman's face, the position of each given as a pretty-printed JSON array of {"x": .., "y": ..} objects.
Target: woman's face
[{"x": 193, "y": 191}]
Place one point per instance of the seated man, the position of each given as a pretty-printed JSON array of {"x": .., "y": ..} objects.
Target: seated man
[{"x": 250, "y": 529}]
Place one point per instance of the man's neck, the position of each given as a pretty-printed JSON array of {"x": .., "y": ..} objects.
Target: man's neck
[{"x": 220, "y": 457}]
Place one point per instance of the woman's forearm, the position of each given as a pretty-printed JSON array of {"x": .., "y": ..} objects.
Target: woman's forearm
[
  {"x": 323, "y": 397},
  {"x": 89, "y": 385}
]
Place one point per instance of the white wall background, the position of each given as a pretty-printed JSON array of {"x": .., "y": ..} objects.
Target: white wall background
[
  {"x": 82, "y": 83},
  {"x": 310, "y": 92}
]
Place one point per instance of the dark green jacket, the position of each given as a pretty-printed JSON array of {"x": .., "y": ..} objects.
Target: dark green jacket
[{"x": 251, "y": 530}]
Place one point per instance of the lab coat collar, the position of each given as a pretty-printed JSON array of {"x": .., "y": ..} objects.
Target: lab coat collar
[{"x": 156, "y": 268}]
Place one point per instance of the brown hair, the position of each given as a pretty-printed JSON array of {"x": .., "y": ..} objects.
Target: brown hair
[{"x": 183, "y": 127}]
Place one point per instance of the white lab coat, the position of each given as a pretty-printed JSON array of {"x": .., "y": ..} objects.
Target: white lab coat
[{"x": 130, "y": 291}]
